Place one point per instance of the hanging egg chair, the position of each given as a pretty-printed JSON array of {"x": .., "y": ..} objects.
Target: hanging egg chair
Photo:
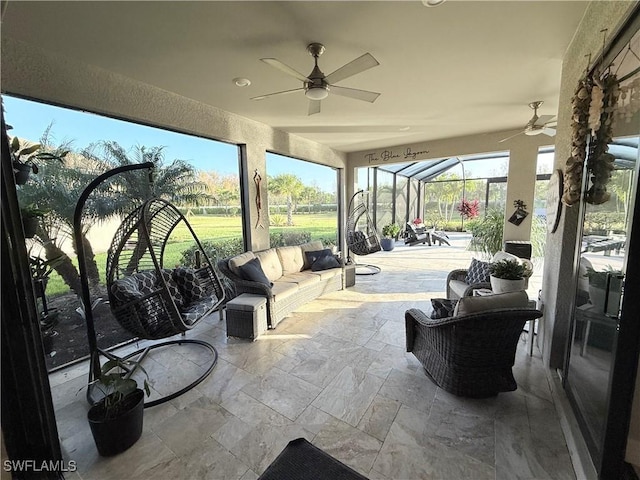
[
  {"x": 148, "y": 299},
  {"x": 362, "y": 237}
]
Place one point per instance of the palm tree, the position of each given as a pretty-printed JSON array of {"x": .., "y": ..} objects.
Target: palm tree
[{"x": 288, "y": 185}]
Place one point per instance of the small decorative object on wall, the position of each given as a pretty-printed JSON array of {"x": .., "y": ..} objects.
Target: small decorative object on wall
[
  {"x": 257, "y": 179},
  {"x": 520, "y": 214},
  {"x": 554, "y": 205}
]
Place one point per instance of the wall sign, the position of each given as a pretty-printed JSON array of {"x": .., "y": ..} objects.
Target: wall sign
[{"x": 393, "y": 155}]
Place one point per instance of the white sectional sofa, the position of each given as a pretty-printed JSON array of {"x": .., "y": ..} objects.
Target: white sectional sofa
[{"x": 289, "y": 271}]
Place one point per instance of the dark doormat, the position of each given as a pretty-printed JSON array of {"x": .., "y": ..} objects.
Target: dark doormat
[{"x": 300, "y": 460}]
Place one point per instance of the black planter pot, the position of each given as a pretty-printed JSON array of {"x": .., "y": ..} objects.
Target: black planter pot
[
  {"x": 21, "y": 173},
  {"x": 387, "y": 244},
  {"x": 115, "y": 435}
]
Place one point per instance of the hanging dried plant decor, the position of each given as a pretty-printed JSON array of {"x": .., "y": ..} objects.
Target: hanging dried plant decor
[
  {"x": 599, "y": 161},
  {"x": 580, "y": 102}
]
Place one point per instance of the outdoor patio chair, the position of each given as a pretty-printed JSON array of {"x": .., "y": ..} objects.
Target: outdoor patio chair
[
  {"x": 414, "y": 235},
  {"x": 471, "y": 353}
]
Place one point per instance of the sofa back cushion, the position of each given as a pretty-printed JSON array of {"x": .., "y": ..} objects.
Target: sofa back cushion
[
  {"x": 469, "y": 305},
  {"x": 270, "y": 262},
  {"x": 309, "y": 247},
  {"x": 291, "y": 258},
  {"x": 238, "y": 260}
]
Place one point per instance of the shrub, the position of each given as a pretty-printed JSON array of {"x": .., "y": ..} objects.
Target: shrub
[
  {"x": 277, "y": 220},
  {"x": 283, "y": 239}
]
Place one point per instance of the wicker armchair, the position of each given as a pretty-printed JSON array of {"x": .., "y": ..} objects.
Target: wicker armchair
[
  {"x": 469, "y": 355},
  {"x": 459, "y": 275}
]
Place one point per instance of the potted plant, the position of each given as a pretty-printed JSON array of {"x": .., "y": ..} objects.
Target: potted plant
[
  {"x": 508, "y": 276},
  {"x": 25, "y": 158},
  {"x": 116, "y": 420},
  {"x": 390, "y": 234}
]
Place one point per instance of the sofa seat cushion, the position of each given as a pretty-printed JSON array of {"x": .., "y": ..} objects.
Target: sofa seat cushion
[
  {"x": 270, "y": 262},
  {"x": 469, "y": 305},
  {"x": 291, "y": 259},
  {"x": 282, "y": 290},
  {"x": 326, "y": 274},
  {"x": 239, "y": 260},
  {"x": 302, "y": 279},
  {"x": 458, "y": 287}
]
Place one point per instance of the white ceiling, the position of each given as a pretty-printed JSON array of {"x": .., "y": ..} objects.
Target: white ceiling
[{"x": 465, "y": 67}]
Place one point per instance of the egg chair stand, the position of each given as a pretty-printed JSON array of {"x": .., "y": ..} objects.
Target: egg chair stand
[
  {"x": 148, "y": 300},
  {"x": 362, "y": 238}
]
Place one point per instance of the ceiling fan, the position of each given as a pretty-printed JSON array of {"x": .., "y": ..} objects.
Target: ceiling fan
[
  {"x": 317, "y": 85},
  {"x": 537, "y": 124}
]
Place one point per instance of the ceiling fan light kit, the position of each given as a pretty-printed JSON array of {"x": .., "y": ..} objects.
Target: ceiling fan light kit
[{"x": 317, "y": 85}]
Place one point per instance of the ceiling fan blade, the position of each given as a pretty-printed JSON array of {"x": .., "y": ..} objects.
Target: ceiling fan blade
[
  {"x": 542, "y": 119},
  {"x": 549, "y": 131},
  {"x": 314, "y": 107},
  {"x": 284, "y": 92},
  {"x": 509, "y": 138},
  {"x": 285, "y": 68},
  {"x": 358, "y": 65},
  {"x": 365, "y": 95}
]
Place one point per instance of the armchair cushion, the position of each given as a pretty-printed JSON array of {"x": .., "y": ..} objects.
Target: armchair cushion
[
  {"x": 469, "y": 305},
  {"x": 478, "y": 272},
  {"x": 442, "y": 307}
]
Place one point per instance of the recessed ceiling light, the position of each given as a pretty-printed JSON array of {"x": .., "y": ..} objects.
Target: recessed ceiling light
[
  {"x": 241, "y": 82},
  {"x": 404, "y": 129},
  {"x": 432, "y": 3}
]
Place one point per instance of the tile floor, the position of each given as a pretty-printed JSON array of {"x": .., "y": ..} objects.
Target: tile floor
[{"x": 336, "y": 372}]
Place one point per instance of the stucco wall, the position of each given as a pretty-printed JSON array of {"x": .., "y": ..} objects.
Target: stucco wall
[{"x": 57, "y": 79}]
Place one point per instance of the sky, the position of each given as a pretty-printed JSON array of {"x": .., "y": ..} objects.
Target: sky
[{"x": 30, "y": 119}]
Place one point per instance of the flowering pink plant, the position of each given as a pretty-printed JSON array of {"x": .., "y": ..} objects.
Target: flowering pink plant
[
  {"x": 417, "y": 221},
  {"x": 469, "y": 209}
]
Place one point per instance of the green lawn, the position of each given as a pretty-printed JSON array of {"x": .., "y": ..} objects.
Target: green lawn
[{"x": 210, "y": 227}]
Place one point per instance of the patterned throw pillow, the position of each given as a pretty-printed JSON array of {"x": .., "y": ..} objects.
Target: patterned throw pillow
[
  {"x": 442, "y": 307},
  {"x": 189, "y": 284},
  {"x": 478, "y": 272},
  {"x": 174, "y": 291}
]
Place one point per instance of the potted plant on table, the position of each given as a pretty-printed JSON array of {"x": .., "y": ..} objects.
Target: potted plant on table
[
  {"x": 508, "y": 276},
  {"x": 116, "y": 420},
  {"x": 390, "y": 235}
]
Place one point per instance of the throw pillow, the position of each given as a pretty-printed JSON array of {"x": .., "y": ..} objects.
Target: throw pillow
[
  {"x": 478, "y": 272},
  {"x": 312, "y": 256},
  {"x": 252, "y": 270},
  {"x": 172, "y": 286},
  {"x": 469, "y": 305},
  {"x": 442, "y": 307},
  {"x": 325, "y": 263},
  {"x": 189, "y": 284}
]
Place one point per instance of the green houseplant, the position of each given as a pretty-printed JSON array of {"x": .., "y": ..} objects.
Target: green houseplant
[
  {"x": 390, "y": 234},
  {"x": 116, "y": 420},
  {"x": 508, "y": 276},
  {"x": 25, "y": 158}
]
